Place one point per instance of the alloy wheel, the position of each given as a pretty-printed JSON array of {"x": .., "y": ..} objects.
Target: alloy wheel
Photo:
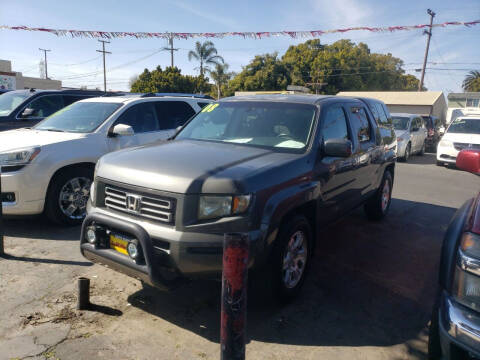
[
  {"x": 295, "y": 259},
  {"x": 385, "y": 195},
  {"x": 74, "y": 196}
]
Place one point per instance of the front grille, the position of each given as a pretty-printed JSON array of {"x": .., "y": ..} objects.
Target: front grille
[
  {"x": 151, "y": 207},
  {"x": 462, "y": 146}
]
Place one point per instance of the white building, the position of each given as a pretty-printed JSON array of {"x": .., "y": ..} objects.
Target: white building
[{"x": 12, "y": 80}]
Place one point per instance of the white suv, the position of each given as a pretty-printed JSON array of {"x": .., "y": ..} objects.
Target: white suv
[
  {"x": 49, "y": 168},
  {"x": 462, "y": 133}
]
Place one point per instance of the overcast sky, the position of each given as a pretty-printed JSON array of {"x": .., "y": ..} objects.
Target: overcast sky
[{"x": 454, "y": 48}]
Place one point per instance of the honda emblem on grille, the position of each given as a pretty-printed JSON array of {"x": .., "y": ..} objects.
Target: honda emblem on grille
[{"x": 133, "y": 203}]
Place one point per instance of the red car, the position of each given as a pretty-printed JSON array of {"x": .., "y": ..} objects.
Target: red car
[{"x": 455, "y": 325}]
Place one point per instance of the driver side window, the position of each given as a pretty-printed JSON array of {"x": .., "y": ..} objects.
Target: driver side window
[
  {"x": 44, "y": 106},
  {"x": 335, "y": 124}
]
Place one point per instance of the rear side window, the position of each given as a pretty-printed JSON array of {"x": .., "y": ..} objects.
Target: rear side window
[
  {"x": 373, "y": 108},
  {"x": 141, "y": 117},
  {"x": 173, "y": 114},
  {"x": 335, "y": 124},
  {"x": 360, "y": 124},
  {"x": 44, "y": 106}
]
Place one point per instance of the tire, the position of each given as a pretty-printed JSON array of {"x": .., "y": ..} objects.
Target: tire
[
  {"x": 295, "y": 229},
  {"x": 422, "y": 150},
  {"x": 406, "y": 156},
  {"x": 73, "y": 184},
  {"x": 378, "y": 205}
]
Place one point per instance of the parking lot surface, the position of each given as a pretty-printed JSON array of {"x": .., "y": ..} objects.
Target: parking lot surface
[{"x": 368, "y": 295}]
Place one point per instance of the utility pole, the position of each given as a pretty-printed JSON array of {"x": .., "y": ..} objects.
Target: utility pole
[
  {"x": 104, "y": 68},
  {"x": 45, "y": 55},
  {"x": 429, "y": 33},
  {"x": 171, "y": 48}
]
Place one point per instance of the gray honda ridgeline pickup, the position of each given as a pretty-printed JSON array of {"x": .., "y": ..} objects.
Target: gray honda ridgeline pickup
[{"x": 277, "y": 167}]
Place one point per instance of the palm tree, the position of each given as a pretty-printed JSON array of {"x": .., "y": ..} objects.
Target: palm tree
[
  {"x": 472, "y": 81},
  {"x": 220, "y": 76},
  {"x": 206, "y": 54}
]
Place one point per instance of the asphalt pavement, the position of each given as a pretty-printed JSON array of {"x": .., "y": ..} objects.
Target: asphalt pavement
[{"x": 368, "y": 295}]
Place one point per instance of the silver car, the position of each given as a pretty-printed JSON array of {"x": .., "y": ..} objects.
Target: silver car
[{"x": 411, "y": 134}]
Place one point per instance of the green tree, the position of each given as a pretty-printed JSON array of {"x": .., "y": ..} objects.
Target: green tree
[
  {"x": 472, "y": 81},
  {"x": 220, "y": 75},
  {"x": 265, "y": 72},
  {"x": 206, "y": 54},
  {"x": 169, "y": 80},
  {"x": 342, "y": 65}
]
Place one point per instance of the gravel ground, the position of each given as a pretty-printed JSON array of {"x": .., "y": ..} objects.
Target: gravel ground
[{"x": 368, "y": 295}]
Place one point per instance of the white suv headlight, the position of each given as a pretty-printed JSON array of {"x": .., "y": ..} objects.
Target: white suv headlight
[
  {"x": 214, "y": 206},
  {"x": 19, "y": 156},
  {"x": 445, "y": 143}
]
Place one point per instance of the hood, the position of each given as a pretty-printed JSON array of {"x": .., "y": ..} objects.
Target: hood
[
  {"x": 189, "y": 167},
  {"x": 462, "y": 138},
  {"x": 21, "y": 138},
  {"x": 400, "y": 133}
]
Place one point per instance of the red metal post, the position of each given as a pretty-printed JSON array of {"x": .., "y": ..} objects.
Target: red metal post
[
  {"x": 2, "y": 250},
  {"x": 234, "y": 296}
]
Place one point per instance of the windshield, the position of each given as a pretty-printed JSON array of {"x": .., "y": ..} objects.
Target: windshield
[
  {"x": 465, "y": 126},
  {"x": 80, "y": 117},
  {"x": 10, "y": 100},
  {"x": 264, "y": 124},
  {"x": 400, "y": 122}
]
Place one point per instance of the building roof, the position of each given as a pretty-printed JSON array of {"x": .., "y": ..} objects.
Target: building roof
[
  {"x": 464, "y": 95},
  {"x": 398, "y": 97}
]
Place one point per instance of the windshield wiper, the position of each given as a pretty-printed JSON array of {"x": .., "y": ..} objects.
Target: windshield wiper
[{"x": 55, "y": 130}]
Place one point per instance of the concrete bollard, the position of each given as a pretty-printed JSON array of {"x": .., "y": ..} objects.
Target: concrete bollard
[
  {"x": 234, "y": 296},
  {"x": 83, "y": 300}
]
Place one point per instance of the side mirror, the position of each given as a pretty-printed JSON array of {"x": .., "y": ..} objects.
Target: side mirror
[
  {"x": 121, "y": 130},
  {"x": 27, "y": 113},
  {"x": 469, "y": 160},
  {"x": 338, "y": 148}
]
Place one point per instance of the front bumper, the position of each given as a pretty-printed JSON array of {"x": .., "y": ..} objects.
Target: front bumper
[
  {"x": 447, "y": 154},
  {"x": 29, "y": 186},
  {"x": 169, "y": 256},
  {"x": 459, "y": 327}
]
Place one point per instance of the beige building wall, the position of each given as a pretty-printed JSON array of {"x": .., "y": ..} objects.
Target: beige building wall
[
  {"x": 47, "y": 84},
  {"x": 410, "y": 109}
]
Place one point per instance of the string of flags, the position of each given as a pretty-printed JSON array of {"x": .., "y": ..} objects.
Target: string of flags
[{"x": 220, "y": 35}]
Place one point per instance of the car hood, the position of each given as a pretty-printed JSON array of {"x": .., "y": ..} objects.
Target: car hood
[
  {"x": 462, "y": 138},
  {"x": 21, "y": 138},
  {"x": 400, "y": 133},
  {"x": 190, "y": 167}
]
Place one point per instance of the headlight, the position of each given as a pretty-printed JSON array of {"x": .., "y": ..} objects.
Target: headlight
[
  {"x": 213, "y": 206},
  {"x": 19, "y": 156},
  {"x": 92, "y": 193},
  {"x": 466, "y": 285},
  {"x": 445, "y": 143}
]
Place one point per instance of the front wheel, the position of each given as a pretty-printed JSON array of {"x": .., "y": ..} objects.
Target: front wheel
[
  {"x": 67, "y": 196},
  {"x": 292, "y": 255},
  {"x": 422, "y": 150},
  {"x": 377, "y": 207}
]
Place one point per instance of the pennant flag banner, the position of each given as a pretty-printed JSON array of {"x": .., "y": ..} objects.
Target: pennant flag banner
[{"x": 220, "y": 35}]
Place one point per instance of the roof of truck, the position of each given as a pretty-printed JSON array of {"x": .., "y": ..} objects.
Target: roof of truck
[{"x": 301, "y": 99}]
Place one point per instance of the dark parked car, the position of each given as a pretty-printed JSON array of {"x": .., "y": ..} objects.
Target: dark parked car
[
  {"x": 279, "y": 168},
  {"x": 25, "y": 108},
  {"x": 433, "y": 125},
  {"x": 455, "y": 324}
]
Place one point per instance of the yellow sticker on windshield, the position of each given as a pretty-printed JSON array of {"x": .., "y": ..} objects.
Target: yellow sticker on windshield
[{"x": 209, "y": 107}]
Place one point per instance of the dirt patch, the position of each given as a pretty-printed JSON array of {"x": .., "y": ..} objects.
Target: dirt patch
[
  {"x": 66, "y": 314},
  {"x": 33, "y": 319}
]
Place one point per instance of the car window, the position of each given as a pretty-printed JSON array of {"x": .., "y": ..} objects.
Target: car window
[
  {"x": 173, "y": 114},
  {"x": 373, "y": 108},
  {"x": 381, "y": 113},
  {"x": 44, "y": 106},
  {"x": 141, "y": 117},
  {"x": 335, "y": 124},
  {"x": 464, "y": 126},
  {"x": 202, "y": 104},
  {"x": 361, "y": 126},
  {"x": 70, "y": 99}
]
